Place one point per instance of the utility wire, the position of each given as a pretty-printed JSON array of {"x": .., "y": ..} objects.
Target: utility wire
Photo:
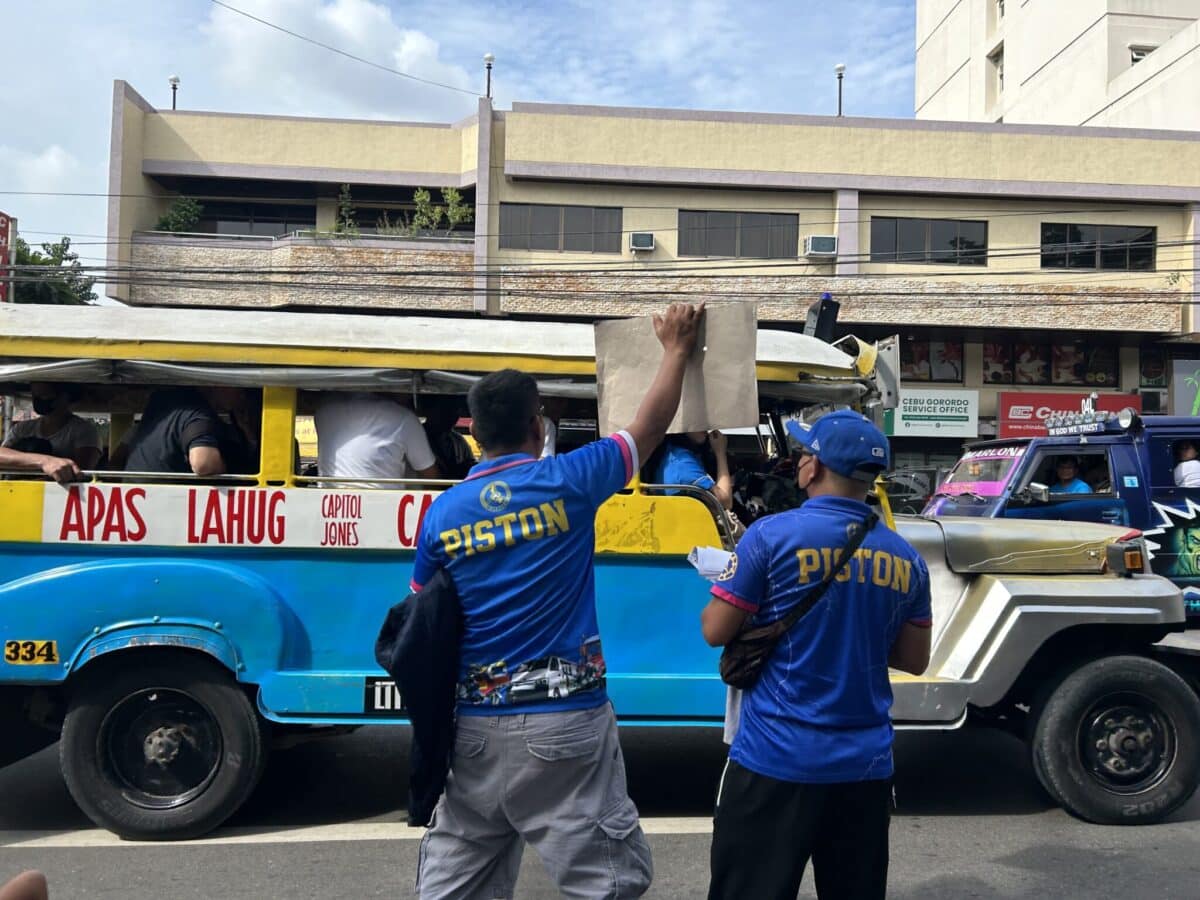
[{"x": 344, "y": 53}]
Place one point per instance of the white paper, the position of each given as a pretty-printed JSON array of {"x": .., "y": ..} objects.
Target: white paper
[{"x": 709, "y": 561}]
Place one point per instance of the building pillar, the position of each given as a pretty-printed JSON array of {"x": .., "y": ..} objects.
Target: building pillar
[
  {"x": 487, "y": 219},
  {"x": 1190, "y": 320},
  {"x": 846, "y": 217}
]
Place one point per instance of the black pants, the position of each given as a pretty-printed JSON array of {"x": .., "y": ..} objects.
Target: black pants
[{"x": 765, "y": 830}]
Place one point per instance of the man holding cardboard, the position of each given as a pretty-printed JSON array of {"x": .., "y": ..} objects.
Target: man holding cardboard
[{"x": 536, "y": 758}]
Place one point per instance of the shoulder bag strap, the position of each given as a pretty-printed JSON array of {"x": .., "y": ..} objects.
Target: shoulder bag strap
[{"x": 858, "y": 533}]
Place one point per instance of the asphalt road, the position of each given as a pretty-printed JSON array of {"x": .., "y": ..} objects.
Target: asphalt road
[{"x": 327, "y": 822}]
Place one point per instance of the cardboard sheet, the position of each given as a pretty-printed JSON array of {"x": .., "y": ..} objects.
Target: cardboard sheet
[{"x": 719, "y": 386}]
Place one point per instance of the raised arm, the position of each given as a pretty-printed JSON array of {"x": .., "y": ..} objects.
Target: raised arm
[{"x": 676, "y": 330}]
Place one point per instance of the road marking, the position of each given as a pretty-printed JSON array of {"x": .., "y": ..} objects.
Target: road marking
[{"x": 312, "y": 834}]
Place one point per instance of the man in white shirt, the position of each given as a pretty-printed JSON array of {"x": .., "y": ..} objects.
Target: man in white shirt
[
  {"x": 363, "y": 435},
  {"x": 1187, "y": 473}
]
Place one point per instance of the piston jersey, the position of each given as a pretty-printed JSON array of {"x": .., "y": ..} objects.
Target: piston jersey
[
  {"x": 517, "y": 538},
  {"x": 819, "y": 712}
]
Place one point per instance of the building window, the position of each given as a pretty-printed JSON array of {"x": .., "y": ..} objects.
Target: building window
[
  {"x": 1061, "y": 362},
  {"x": 1122, "y": 247},
  {"x": 259, "y": 219},
  {"x": 1139, "y": 52},
  {"x": 997, "y": 61},
  {"x": 734, "y": 234},
  {"x": 999, "y": 9},
  {"x": 946, "y": 242},
  {"x": 575, "y": 229},
  {"x": 922, "y": 360}
]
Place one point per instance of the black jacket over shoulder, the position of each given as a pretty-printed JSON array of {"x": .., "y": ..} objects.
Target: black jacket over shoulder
[{"x": 419, "y": 647}]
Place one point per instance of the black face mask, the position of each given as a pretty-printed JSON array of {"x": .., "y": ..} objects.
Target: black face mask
[{"x": 43, "y": 406}]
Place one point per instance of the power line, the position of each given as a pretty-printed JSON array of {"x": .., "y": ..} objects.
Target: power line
[{"x": 340, "y": 52}]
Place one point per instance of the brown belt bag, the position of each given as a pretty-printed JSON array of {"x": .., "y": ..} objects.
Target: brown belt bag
[{"x": 744, "y": 658}]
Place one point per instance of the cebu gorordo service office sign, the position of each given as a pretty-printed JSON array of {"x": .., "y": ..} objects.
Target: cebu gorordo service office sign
[{"x": 928, "y": 412}]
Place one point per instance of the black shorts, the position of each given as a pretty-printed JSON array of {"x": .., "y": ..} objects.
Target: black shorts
[{"x": 765, "y": 830}]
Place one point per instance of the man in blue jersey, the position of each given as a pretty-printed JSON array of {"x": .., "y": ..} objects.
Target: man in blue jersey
[
  {"x": 810, "y": 767},
  {"x": 536, "y": 758}
]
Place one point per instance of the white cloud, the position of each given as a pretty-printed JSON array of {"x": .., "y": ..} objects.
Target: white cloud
[{"x": 275, "y": 71}]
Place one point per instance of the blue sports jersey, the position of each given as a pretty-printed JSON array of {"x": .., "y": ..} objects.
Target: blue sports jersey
[
  {"x": 517, "y": 537},
  {"x": 1074, "y": 486},
  {"x": 679, "y": 465},
  {"x": 819, "y": 713}
]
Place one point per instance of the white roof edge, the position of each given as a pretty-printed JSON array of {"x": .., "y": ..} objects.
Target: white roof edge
[{"x": 564, "y": 340}]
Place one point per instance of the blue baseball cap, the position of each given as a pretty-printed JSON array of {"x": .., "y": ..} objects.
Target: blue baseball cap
[{"x": 846, "y": 442}]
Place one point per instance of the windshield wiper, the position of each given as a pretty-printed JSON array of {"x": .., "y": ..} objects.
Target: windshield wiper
[{"x": 956, "y": 494}]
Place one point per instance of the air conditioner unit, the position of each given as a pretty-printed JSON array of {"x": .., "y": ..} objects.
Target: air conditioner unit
[
  {"x": 641, "y": 241},
  {"x": 820, "y": 246}
]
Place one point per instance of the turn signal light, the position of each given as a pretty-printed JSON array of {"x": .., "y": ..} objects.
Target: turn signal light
[{"x": 1125, "y": 557}]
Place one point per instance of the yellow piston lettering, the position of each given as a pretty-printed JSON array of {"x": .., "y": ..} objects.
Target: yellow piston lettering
[
  {"x": 863, "y": 556},
  {"x": 451, "y": 542},
  {"x": 901, "y": 574},
  {"x": 484, "y": 539},
  {"x": 555, "y": 515},
  {"x": 810, "y": 561},
  {"x": 881, "y": 572},
  {"x": 506, "y": 522},
  {"x": 470, "y": 545},
  {"x": 531, "y": 524}
]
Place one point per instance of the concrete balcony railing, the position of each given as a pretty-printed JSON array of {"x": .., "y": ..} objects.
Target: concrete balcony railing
[{"x": 365, "y": 272}]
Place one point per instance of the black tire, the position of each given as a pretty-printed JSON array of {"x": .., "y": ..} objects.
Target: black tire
[
  {"x": 1118, "y": 741},
  {"x": 161, "y": 749}
]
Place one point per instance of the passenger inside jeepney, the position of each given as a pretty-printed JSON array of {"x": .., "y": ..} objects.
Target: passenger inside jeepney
[
  {"x": 182, "y": 431},
  {"x": 688, "y": 459},
  {"x": 70, "y": 436},
  {"x": 453, "y": 453},
  {"x": 371, "y": 436}
]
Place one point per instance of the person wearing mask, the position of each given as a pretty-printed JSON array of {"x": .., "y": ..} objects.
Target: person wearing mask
[
  {"x": 681, "y": 462},
  {"x": 366, "y": 436},
  {"x": 810, "y": 768},
  {"x": 71, "y": 437},
  {"x": 533, "y": 764},
  {"x": 1066, "y": 470}
]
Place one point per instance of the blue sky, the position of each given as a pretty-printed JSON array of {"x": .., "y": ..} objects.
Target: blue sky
[{"x": 62, "y": 55}]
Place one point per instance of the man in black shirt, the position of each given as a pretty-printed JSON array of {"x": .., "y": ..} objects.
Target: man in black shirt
[{"x": 179, "y": 432}]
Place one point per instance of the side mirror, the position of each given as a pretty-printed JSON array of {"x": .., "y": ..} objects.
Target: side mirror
[{"x": 1038, "y": 492}]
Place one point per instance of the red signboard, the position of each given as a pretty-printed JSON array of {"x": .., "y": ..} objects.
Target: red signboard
[
  {"x": 1023, "y": 413},
  {"x": 8, "y": 251}
]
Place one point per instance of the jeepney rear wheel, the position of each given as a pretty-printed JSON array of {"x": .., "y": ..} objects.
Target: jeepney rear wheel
[
  {"x": 1118, "y": 741},
  {"x": 161, "y": 749}
]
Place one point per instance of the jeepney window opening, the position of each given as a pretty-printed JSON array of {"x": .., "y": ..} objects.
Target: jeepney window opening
[
  {"x": 1164, "y": 456},
  {"x": 1095, "y": 468}
]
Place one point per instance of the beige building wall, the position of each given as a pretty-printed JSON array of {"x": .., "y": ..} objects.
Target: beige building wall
[{"x": 1064, "y": 62}]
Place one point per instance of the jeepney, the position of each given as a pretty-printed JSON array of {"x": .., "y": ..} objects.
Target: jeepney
[{"x": 177, "y": 627}]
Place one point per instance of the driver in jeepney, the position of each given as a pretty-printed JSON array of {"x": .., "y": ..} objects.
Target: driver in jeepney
[{"x": 1066, "y": 470}]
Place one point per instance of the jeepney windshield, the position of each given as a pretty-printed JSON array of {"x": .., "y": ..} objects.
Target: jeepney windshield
[{"x": 976, "y": 482}]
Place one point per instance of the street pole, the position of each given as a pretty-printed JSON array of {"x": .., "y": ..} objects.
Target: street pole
[
  {"x": 840, "y": 68},
  {"x": 488, "y": 59},
  {"x": 174, "y": 82},
  {"x": 8, "y": 258}
]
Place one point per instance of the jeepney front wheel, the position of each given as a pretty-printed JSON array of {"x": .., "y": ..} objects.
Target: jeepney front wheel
[
  {"x": 161, "y": 749},
  {"x": 1117, "y": 742}
]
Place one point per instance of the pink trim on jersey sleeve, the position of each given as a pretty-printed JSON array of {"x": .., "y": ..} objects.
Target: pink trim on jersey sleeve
[
  {"x": 733, "y": 599},
  {"x": 414, "y": 587},
  {"x": 921, "y": 623},
  {"x": 628, "y": 453}
]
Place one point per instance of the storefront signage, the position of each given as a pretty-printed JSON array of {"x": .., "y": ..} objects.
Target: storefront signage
[
  {"x": 929, "y": 412},
  {"x": 1024, "y": 413},
  {"x": 1185, "y": 387}
]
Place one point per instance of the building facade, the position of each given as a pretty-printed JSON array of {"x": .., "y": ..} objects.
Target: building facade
[
  {"x": 1117, "y": 63},
  {"x": 1013, "y": 260}
]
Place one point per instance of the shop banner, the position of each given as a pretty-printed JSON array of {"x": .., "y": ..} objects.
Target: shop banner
[
  {"x": 1185, "y": 387},
  {"x": 929, "y": 412},
  {"x": 1024, "y": 413}
]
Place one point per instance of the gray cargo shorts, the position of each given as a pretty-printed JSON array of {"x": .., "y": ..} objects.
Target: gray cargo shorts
[{"x": 555, "y": 781}]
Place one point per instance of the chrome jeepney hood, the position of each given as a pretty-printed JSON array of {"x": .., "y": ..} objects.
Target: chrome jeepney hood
[{"x": 976, "y": 546}]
